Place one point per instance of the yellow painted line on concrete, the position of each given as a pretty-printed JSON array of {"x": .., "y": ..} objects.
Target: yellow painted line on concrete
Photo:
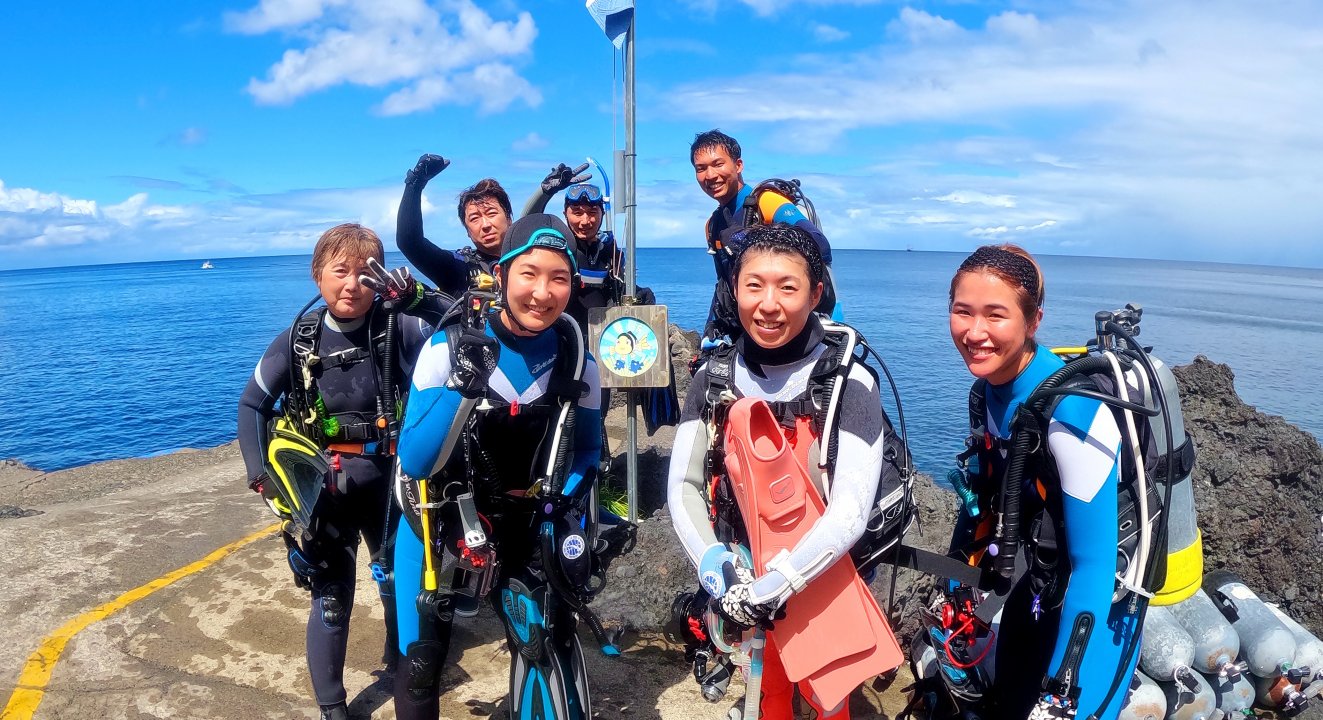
[{"x": 41, "y": 663}]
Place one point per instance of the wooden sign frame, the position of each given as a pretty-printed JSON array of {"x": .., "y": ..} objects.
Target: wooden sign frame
[{"x": 640, "y": 329}]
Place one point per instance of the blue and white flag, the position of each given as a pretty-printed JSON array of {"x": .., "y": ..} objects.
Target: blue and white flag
[{"x": 613, "y": 16}]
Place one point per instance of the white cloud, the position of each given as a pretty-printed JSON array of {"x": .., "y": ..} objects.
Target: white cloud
[
  {"x": 965, "y": 197},
  {"x": 1178, "y": 129},
  {"x": 528, "y": 143},
  {"x": 33, "y": 219},
  {"x": 827, "y": 33},
  {"x": 453, "y": 53},
  {"x": 917, "y": 26},
  {"x": 766, "y": 8}
]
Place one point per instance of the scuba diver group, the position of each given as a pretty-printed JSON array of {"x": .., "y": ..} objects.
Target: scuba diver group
[{"x": 459, "y": 431}]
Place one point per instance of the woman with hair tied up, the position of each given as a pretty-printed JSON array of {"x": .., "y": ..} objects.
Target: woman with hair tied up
[
  {"x": 770, "y": 536},
  {"x": 1062, "y": 640}
]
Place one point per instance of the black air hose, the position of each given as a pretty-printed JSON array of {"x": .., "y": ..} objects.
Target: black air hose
[{"x": 1008, "y": 545}]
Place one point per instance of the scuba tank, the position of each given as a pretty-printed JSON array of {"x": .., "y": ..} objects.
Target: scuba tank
[
  {"x": 1145, "y": 702},
  {"x": 1185, "y": 553},
  {"x": 1234, "y": 694},
  {"x": 1165, "y": 648},
  {"x": 1190, "y": 697},
  {"x": 1308, "y": 648},
  {"x": 1216, "y": 644},
  {"x": 1278, "y": 693},
  {"x": 1265, "y": 643}
]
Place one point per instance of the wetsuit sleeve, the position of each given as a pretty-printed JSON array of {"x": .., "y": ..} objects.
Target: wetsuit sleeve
[
  {"x": 269, "y": 381},
  {"x": 686, "y": 478},
  {"x": 440, "y": 266},
  {"x": 1085, "y": 441},
  {"x": 430, "y": 412},
  {"x": 851, "y": 496},
  {"x": 587, "y": 431},
  {"x": 537, "y": 202}
]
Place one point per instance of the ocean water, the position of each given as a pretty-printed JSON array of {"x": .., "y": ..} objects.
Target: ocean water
[{"x": 133, "y": 360}]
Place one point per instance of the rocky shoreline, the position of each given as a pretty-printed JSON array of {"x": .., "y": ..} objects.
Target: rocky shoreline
[{"x": 1258, "y": 487}]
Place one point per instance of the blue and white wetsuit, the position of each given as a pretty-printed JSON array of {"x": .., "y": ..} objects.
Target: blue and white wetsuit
[
  {"x": 1086, "y": 635},
  {"x": 522, "y": 377}
]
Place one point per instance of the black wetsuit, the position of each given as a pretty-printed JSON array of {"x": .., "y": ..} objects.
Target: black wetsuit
[
  {"x": 356, "y": 499},
  {"x": 452, "y": 272}
]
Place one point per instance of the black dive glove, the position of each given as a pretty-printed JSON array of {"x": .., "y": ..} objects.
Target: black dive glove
[
  {"x": 475, "y": 357},
  {"x": 397, "y": 288},
  {"x": 562, "y": 177},
  {"x": 736, "y": 605},
  {"x": 428, "y": 167}
]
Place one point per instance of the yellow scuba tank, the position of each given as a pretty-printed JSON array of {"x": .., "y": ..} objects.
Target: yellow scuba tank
[
  {"x": 1185, "y": 548},
  {"x": 297, "y": 468}
]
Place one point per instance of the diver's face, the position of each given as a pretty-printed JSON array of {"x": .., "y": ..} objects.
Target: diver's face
[
  {"x": 717, "y": 173},
  {"x": 486, "y": 222},
  {"x": 624, "y": 346},
  {"x": 989, "y": 329},
  {"x": 537, "y": 290},
  {"x": 775, "y": 296},
  {"x": 347, "y": 298},
  {"x": 584, "y": 219}
]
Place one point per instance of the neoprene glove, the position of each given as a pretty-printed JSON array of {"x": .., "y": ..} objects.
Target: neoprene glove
[
  {"x": 475, "y": 357},
  {"x": 736, "y": 605},
  {"x": 397, "y": 288},
  {"x": 562, "y": 177},
  {"x": 428, "y": 167}
]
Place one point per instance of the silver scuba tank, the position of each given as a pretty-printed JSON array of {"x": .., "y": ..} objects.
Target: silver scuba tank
[
  {"x": 1308, "y": 648},
  {"x": 1146, "y": 700},
  {"x": 1185, "y": 552},
  {"x": 1216, "y": 643},
  {"x": 1165, "y": 648},
  {"x": 1234, "y": 693},
  {"x": 1190, "y": 697},
  {"x": 1278, "y": 693},
  {"x": 1265, "y": 643}
]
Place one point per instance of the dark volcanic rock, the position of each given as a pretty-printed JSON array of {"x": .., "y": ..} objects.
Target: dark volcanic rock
[{"x": 1258, "y": 490}]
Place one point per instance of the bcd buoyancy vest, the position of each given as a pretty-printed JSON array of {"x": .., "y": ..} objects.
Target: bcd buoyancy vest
[
  {"x": 304, "y": 404},
  {"x": 811, "y": 423},
  {"x": 1153, "y": 488}
]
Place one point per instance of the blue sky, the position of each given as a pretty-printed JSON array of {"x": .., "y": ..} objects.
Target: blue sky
[{"x": 160, "y": 130}]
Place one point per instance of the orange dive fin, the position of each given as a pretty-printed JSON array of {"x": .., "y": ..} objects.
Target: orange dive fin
[{"x": 834, "y": 635}]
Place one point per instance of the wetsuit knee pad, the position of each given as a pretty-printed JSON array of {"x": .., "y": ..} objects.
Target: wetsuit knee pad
[
  {"x": 425, "y": 658},
  {"x": 335, "y": 605}
]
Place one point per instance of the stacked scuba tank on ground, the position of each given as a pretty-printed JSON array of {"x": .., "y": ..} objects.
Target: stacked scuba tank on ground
[{"x": 1223, "y": 653}]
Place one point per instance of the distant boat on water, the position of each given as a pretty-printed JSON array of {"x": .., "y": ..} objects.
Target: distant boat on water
[{"x": 206, "y": 265}]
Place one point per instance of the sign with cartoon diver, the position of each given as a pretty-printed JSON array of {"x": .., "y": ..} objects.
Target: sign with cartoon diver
[{"x": 631, "y": 345}]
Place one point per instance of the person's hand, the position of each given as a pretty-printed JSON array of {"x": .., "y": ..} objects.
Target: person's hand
[
  {"x": 736, "y": 608},
  {"x": 397, "y": 288},
  {"x": 266, "y": 487},
  {"x": 475, "y": 357},
  {"x": 737, "y": 605},
  {"x": 428, "y": 167},
  {"x": 562, "y": 177}
]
